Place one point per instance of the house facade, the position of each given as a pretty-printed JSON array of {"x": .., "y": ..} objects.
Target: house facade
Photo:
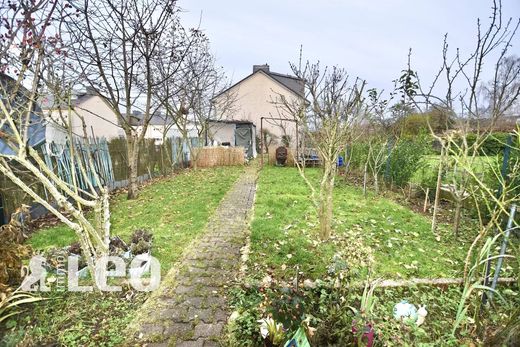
[
  {"x": 100, "y": 120},
  {"x": 257, "y": 98}
]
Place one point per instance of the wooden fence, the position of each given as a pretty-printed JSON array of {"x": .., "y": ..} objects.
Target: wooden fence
[{"x": 110, "y": 160}]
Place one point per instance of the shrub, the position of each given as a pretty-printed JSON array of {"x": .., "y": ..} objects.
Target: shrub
[
  {"x": 492, "y": 145},
  {"x": 406, "y": 158}
]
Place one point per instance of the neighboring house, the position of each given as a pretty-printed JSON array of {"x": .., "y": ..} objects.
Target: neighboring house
[
  {"x": 258, "y": 96},
  {"x": 160, "y": 127},
  {"x": 504, "y": 123},
  {"x": 100, "y": 120},
  {"x": 233, "y": 133}
]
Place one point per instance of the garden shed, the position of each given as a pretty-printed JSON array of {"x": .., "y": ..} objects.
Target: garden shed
[{"x": 232, "y": 133}]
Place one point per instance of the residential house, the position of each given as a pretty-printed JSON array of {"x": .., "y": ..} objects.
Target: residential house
[
  {"x": 161, "y": 127},
  {"x": 100, "y": 120},
  {"x": 257, "y": 99}
]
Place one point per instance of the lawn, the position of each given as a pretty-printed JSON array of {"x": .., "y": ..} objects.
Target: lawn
[
  {"x": 397, "y": 240},
  {"x": 174, "y": 209},
  {"x": 372, "y": 232}
]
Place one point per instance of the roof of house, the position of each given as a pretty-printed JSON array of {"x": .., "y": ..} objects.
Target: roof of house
[
  {"x": 156, "y": 119},
  {"x": 48, "y": 101},
  {"x": 293, "y": 83},
  {"x": 230, "y": 121}
]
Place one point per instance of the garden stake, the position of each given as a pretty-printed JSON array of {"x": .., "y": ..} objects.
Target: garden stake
[{"x": 503, "y": 248}]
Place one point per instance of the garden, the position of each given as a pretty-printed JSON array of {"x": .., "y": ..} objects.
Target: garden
[
  {"x": 380, "y": 246},
  {"x": 387, "y": 218}
]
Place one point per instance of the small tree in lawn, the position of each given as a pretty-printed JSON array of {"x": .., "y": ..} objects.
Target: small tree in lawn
[
  {"x": 328, "y": 120},
  {"x": 30, "y": 49}
]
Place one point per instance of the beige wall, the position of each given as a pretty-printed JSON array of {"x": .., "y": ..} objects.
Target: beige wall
[
  {"x": 99, "y": 118},
  {"x": 256, "y": 97}
]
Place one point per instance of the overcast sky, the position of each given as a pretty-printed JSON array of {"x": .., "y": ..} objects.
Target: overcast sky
[{"x": 369, "y": 38}]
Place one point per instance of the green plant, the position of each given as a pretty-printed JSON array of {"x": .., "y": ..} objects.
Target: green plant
[
  {"x": 272, "y": 331},
  {"x": 10, "y": 303},
  {"x": 364, "y": 315},
  {"x": 406, "y": 158}
]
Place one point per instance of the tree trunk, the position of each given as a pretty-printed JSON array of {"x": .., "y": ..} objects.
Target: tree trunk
[
  {"x": 133, "y": 155},
  {"x": 437, "y": 192},
  {"x": 365, "y": 177},
  {"x": 326, "y": 202},
  {"x": 376, "y": 182},
  {"x": 456, "y": 221}
]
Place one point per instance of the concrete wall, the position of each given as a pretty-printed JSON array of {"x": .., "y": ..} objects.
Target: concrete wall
[{"x": 257, "y": 96}]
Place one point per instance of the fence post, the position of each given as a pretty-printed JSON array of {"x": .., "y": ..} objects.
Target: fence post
[
  {"x": 2, "y": 212},
  {"x": 174, "y": 150}
]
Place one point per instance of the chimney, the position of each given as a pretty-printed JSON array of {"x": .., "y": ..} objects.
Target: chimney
[{"x": 264, "y": 68}]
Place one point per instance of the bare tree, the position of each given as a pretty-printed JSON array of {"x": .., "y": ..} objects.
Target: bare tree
[
  {"x": 463, "y": 81},
  {"x": 328, "y": 120},
  {"x": 458, "y": 86},
  {"x": 187, "y": 96},
  {"x": 118, "y": 45},
  {"x": 35, "y": 46}
]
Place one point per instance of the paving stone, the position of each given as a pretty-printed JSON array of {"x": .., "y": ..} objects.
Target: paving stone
[
  {"x": 220, "y": 316},
  {"x": 208, "y": 330},
  {"x": 203, "y": 314},
  {"x": 215, "y": 301},
  {"x": 197, "y": 343},
  {"x": 185, "y": 289},
  {"x": 150, "y": 330},
  {"x": 178, "y": 329},
  {"x": 193, "y": 313},
  {"x": 196, "y": 302},
  {"x": 157, "y": 344}
]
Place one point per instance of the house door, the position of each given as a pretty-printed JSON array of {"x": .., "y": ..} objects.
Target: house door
[{"x": 243, "y": 138}]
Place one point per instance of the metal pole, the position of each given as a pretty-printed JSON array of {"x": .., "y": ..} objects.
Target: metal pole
[{"x": 503, "y": 249}]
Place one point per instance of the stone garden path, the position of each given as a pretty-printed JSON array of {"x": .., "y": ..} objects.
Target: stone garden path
[{"x": 190, "y": 308}]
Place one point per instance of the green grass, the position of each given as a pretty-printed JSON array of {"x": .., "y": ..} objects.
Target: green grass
[
  {"x": 175, "y": 210},
  {"x": 431, "y": 166},
  {"x": 400, "y": 240}
]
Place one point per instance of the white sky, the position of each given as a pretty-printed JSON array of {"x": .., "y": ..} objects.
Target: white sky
[{"x": 370, "y": 38}]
